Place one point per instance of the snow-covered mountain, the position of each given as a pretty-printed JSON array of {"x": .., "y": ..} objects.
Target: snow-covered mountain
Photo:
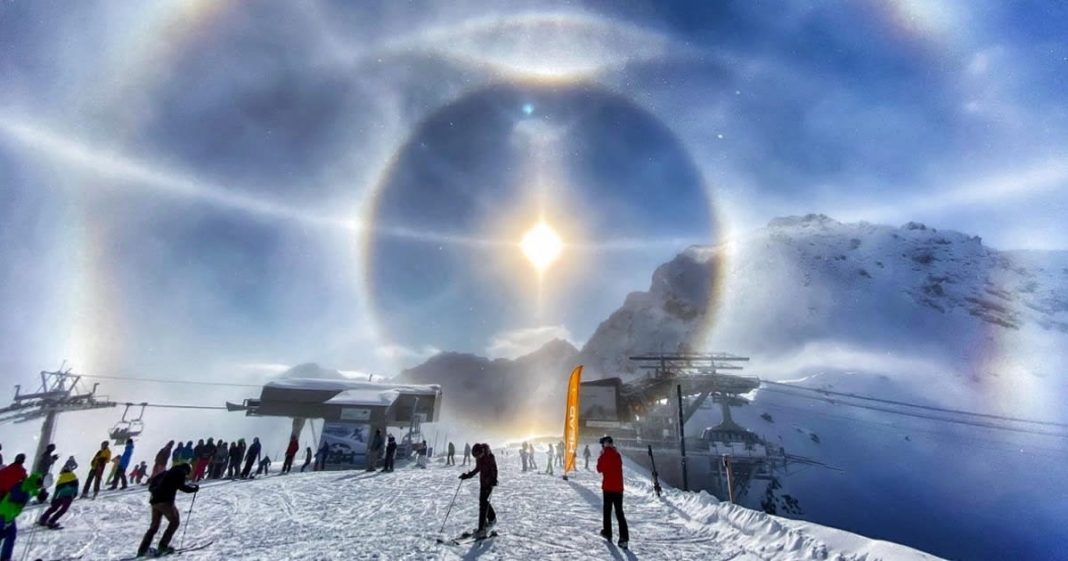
[
  {"x": 499, "y": 392},
  {"x": 354, "y": 515},
  {"x": 912, "y": 290}
]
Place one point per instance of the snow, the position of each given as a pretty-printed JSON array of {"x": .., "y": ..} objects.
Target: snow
[
  {"x": 383, "y": 398},
  {"x": 359, "y": 515},
  {"x": 354, "y": 385}
]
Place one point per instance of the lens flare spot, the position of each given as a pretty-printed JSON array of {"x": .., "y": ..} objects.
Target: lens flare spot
[{"x": 542, "y": 246}]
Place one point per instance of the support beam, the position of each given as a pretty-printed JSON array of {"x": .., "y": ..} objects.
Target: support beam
[
  {"x": 695, "y": 405},
  {"x": 48, "y": 432}
]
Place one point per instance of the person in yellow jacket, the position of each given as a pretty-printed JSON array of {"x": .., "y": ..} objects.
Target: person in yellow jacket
[
  {"x": 96, "y": 470},
  {"x": 65, "y": 491}
]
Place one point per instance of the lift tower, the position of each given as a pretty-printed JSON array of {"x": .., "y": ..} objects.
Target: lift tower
[{"x": 60, "y": 392}]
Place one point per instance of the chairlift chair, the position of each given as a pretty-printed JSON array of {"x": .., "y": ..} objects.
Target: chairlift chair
[{"x": 126, "y": 429}]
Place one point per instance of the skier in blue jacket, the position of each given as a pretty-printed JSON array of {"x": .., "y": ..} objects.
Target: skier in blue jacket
[{"x": 124, "y": 462}]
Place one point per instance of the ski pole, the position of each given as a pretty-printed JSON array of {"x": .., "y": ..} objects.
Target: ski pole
[
  {"x": 442, "y": 529},
  {"x": 188, "y": 518},
  {"x": 29, "y": 545}
]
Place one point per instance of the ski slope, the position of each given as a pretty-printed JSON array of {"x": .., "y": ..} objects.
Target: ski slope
[{"x": 358, "y": 515}]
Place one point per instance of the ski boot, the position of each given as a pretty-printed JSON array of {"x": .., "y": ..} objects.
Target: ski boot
[{"x": 622, "y": 544}]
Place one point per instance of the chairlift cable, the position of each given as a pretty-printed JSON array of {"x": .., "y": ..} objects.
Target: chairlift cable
[
  {"x": 922, "y": 416},
  {"x": 916, "y": 405}
]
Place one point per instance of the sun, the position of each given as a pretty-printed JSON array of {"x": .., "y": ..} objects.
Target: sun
[{"x": 542, "y": 246}]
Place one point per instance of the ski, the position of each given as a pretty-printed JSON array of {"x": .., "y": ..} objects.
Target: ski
[
  {"x": 466, "y": 537},
  {"x": 656, "y": 476},
  {"x": 152, "y": 553}
]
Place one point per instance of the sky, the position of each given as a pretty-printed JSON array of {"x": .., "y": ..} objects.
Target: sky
[{"x": 198, "y": 190}]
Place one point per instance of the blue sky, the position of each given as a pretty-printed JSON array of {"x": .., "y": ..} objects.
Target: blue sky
[{"x": 193, "y": 187}]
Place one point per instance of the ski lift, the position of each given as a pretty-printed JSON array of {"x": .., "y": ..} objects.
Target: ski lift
[{"x": 127, "y": 429}]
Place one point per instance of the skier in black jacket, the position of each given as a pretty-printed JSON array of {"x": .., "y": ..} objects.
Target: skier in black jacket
[
  {"x": 486, "y": 468},
  {"x": 237, "y": 453},
  {"x": 163, "y": 488},
  {"x": 391, "y": 453},
  {"x": 251, "y": 456}
]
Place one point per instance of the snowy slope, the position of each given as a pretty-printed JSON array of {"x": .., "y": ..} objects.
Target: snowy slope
[{"x": 355, "y": 515}]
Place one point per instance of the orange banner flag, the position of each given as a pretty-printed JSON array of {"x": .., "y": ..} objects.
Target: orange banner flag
[{"x": 571, "y": 419}]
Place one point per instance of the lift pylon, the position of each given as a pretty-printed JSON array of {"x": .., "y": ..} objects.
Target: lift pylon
[{"x": 60, "y": 392}]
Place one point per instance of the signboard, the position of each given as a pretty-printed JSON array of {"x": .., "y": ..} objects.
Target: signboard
[
  {"x": 346, "y": 444},
  {"x": 599, "y": 403},
  {"x": 604, "y": 424},
  {"x": 571, "y": 419},
  {"x": 355, "y": 414}
]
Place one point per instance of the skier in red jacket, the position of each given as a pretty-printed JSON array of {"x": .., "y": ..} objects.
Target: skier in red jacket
[
  {"x": 610, "y": 466},
  {"x": 291, "y": 451}
]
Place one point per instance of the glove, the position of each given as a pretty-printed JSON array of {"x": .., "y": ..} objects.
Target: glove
[
  {"x": 195, "y": 488},
  {"x": 464, "y": 476}
]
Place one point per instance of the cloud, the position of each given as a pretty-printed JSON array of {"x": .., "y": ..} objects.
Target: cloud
[{"x": 518, "y": 342}]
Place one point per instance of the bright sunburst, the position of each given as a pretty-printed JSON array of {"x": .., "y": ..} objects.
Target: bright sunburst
[{"x": 541, "y": 245}]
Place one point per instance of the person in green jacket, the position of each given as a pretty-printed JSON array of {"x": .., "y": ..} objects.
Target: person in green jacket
[{"x": 11, "y": 506}]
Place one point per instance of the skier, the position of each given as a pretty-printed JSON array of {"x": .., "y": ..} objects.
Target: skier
[
  {"x": 610, "y": 466},
  {"x": 113, "y": 475},
  {"x": 467, "y": 453},
  {"x": 320, "y": 457},
  {"x": 486, "y": 468},
  {"x": 523, "y": 455},
  {"x": 96, "y": 470},
  {"x": 391, "y": 453},
  {"x": 124, "y": 462},
  {"x": 586, "y": 455},
  {"x": 560, "y": 454},
  {"x": 65, "y": 492},
  {"x": 265, "y": 466},
  {"x": 374, "y": 451},
  {"x": 237, "y": 453},
  {"x": 291, "y": 452},
  {"x": 205, "y": 453},
  {"x": 450, "y": 457},
  {"x": 251, "y": 456},
  {"x": 44, "y": 463},
  {"x": 11, "y": 506},
  {"x": 222, "y": 456},
  {"x": 420, "y": 455},
  {"x": 140, "y": 472},
  {"x": 307, "y": 459},
  {"x": 549, "y": 462},
  {"x": 12, "y": 474},
  {"x": 163, "y": 488},
  {"x": 530, "y": 458},
  {"x": 178, "y": 454},
  {"x": 188, "y": 454},
  {"x": 162, "y": 456}
]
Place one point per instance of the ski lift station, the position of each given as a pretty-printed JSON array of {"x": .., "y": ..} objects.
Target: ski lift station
[
  {"x": 648, "y": 415},
  {"x": 351, "y": 411}
]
